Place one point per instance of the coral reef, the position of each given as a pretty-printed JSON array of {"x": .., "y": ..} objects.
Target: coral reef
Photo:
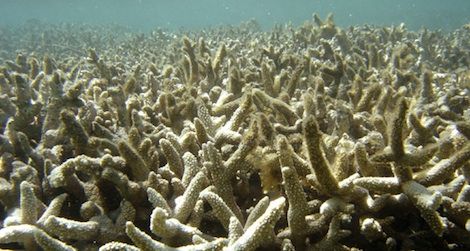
[{"x": 233, "y": 138}]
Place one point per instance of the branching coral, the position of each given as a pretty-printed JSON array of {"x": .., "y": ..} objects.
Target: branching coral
[{"x": 233, "y": 138}]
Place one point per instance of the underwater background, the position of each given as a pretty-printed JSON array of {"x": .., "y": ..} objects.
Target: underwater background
[{"x": 144, "y": 15}]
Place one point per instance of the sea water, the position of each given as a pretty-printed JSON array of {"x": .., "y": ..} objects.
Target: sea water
[{"x": 144, "y": 15}]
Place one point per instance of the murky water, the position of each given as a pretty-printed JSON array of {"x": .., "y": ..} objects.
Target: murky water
[{"x": 147, "y": 14}]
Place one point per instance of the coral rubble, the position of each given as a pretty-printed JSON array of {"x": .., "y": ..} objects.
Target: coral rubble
[{"x": 232, "y": 138}]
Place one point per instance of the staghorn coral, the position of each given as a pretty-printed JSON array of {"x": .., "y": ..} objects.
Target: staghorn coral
[{"x": 233, "y": 138}]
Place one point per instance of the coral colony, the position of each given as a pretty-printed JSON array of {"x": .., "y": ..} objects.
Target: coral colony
[{"x": 232, "y": 138}]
